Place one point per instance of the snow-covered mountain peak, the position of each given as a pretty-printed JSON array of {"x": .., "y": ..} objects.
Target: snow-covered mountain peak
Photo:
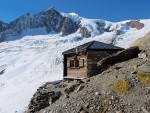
[{"x": 50, "y": 19}]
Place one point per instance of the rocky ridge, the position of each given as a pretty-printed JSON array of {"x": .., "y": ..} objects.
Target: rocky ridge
[
  {"x": 51, "y": 19},
  {"x": 97, "y": 94}
]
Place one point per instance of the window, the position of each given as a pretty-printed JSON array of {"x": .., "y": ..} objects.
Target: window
[
  {"x": 81, "y": 63},
  {"x": 75, "y": 63},
  {"x": 72, "y": 63}
]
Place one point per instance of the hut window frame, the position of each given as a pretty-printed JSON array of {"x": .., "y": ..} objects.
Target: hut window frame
[
  {"x": 76, "y": 63},
  {"x": 81, "y": 63},
  {"x": 72, "y": 63}
]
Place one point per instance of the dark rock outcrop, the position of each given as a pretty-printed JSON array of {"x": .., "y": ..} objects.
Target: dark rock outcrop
[
  {"x": 101, "y": 27},
  {"x": 3, "y": 26},
  {"x": 135, "y": 24},
  {"x": 2, "y": 72},
  {"x": 120, "y": 56},
  {"x": 40, "y": 100},
  {"x": 84, "y": 32},
  {"x": 68, "y": 26},
  {"x": 43, "y": 98}
]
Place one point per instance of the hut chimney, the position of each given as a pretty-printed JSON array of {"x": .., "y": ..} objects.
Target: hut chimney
[{"x": 76, "y": 50}]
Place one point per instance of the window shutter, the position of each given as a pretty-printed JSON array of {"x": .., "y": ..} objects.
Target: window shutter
[
  {"x": 81, "y": 63},
  {"x": 68, "y": 64}
]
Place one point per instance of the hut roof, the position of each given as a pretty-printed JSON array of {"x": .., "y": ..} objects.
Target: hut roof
[{"x": 93, "y": 45}]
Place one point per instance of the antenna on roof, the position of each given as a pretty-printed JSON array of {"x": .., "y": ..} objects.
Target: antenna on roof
[{"x": 76, "y": 50}]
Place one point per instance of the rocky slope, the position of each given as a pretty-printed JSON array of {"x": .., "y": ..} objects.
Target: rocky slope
[{"x": 97, "y": 94}]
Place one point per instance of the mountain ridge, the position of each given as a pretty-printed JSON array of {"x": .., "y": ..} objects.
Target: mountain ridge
[
  {"x": 51, "y": 19},
  {"x": 66, "y": 24}
]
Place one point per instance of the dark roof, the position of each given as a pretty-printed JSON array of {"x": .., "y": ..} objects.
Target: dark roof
[{"x": 93, "y": 45}]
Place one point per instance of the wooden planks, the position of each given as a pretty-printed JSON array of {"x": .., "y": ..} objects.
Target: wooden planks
[
  {"x": 77, "y": 72},
  {"x": 93, "y": 57}
]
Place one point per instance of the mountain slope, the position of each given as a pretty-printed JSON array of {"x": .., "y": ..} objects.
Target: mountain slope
[
  {"x": 143, "y": 43},
  {"x": 50, "y": 19},
  {"x": 35, "y": 57}
]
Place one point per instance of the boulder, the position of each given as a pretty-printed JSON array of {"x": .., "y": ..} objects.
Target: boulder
[
  {"x": 120, "y": 56},
  {"x": 144, "y": 68},
  {"x": 97, "y": 93},
  {"x": 83, "y": 111},
  {"x": 80, "y": 87},
  {"x": 135, "y": 24},
  {"x": 86, "y": 80},
  {"x": 42, "y": 98},
  {"x": 56, "y": 96},
  {"x": 142, "y": 55},
  {"x": 70, "y": 88}
]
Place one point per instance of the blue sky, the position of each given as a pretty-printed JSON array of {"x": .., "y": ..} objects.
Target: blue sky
[{"x": 112, "y": 10}]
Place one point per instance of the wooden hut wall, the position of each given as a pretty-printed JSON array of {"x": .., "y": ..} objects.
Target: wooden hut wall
[
  {"x": 65, "y": 66},
  {"x": 77, "y": 72},
  {"x": 92, "y": 58}
]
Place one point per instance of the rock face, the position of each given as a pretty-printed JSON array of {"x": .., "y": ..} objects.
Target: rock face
[
  {"x": 43, "y": 98},
  {"x": 84, "y": 32},
  {"x": 135, "y": 24},
  {"x": 98, "y": 28},
  {"x": 51, "y": 19},
  {"x": 119, "y": 57},
  {"x": 68, "y": 26},
  {"x": 3, "y": 26}
]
